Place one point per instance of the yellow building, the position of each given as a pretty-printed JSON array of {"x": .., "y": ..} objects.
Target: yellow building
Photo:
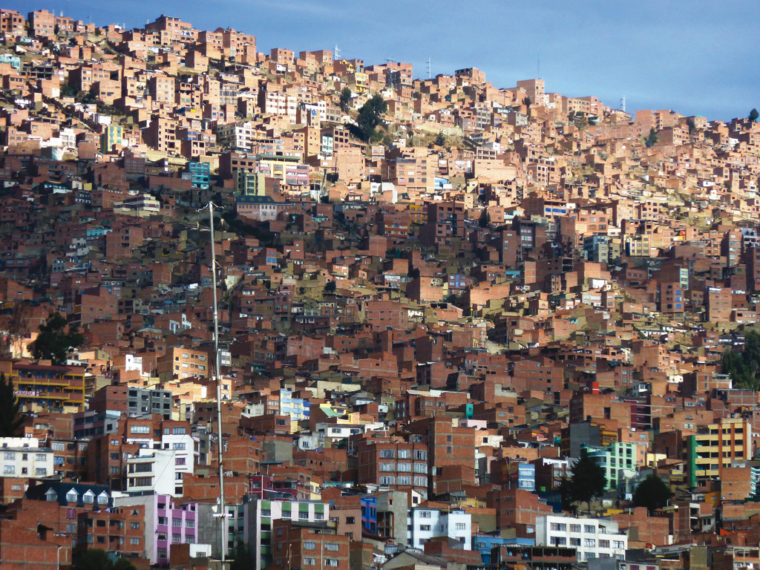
[{"x": 717, "y": 446}]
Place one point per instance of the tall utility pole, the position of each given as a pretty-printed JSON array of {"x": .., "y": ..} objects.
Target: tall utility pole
[{"x": 222, "y": 511}]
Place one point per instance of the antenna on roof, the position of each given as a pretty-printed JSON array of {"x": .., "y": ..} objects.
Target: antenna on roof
[
  {"x": 337, "y": 52},
  {"x": 429, "y": 68},
  {"x": 622, "y": 103}
]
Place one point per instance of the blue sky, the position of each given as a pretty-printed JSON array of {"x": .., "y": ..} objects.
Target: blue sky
[{"x": 698, "y": 57}]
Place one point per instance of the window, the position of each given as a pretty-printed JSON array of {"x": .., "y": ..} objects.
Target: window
[
  {"x": 139, "y": 429},
  {"x": 134, "y": 541},
  {"x": 589, "y": 528},
  {"x": 575, "y": 528},
  {"x": 9, "y": 470},
  {"x": 589, "y": 542},
  {"x": 331, "y": 547},
  {"x": 404, "y": 453},
  {"x": 309, "y": 545},
  {"x": 461, "y": 526},
  {"x": 309, "y": 561},
  {"x": 39, "y": 457},
  {"x": 134, "y": 525},
  {"x": 604, "y": 543},
  {"x": 424, "y": 527}
]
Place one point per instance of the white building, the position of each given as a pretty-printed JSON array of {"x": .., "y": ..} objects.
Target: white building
[
  {"x": 592, "y": 538},
  {"x": 424, "y": 524},
  {"x": 160, "y": 468},
  {"x": 23, "y": 457},
  {"x": 239, "y": 136}
]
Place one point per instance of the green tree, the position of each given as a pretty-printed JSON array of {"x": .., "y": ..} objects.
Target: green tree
[
  {"x": 527, "y": 102},
  {"x": 370, "y": 116},
  {"x": 54, "y": 342},
  {"x": 744, "y": 366},
  {"x": 10, "y": 409},
  {"x": 652, "y": 493},
  {"x": 753, "y": 115},
  {"x": 345, "y": 99},
  {"x": 652, "y": 138},
  {"x": 588, "y": 480},
  {"x": 243, "y": 558},
  {"x": 96, "y": 559}
]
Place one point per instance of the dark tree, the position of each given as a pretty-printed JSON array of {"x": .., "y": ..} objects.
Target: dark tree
[
  {"x": 588, "y": 480},
  {"x": 440, "y": 140},
  {"x": 243, "y": 558},
  {"x": 370, "y": 116},
  {"x": 484, "y": 219},
  {"x": 566, "y": 495},
  {"x": 652, "y": 493},
  {"x": 527, "y": 102},
  {"x": 743, "y": 367},
  {"x": 96, "y": 559},
  {"x": 10, "y": 409},
  {"x": 753, "y": 115},
  {"x": 345, "y": 99},
  {"x": 652, "y": 138},
  {"x": 54, "y": 342}
]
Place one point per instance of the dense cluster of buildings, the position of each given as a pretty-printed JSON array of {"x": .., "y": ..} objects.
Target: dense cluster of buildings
[{"x": 420, "y": 332}]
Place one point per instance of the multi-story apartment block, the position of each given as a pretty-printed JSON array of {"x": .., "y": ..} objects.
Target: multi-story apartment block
[
  {"x": 40, "y": 386},
  {"x": 23, "y": 457},
  {"x": 180, "y": 362},
  {"x": 307, "y": 546},
  {"x": 12, "y": 23},
  {"x": 592, "y": 538},
  {"x": 167, "y": 522},
  {"x": 261, "y": 514},
  {"x": 425, "y": 523},
  {"x": 392, "y": 462},
  {"x": 618, "y": 460},
  {"x": 716, "y": 446},
  {"x": 156, "y": 470}
]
